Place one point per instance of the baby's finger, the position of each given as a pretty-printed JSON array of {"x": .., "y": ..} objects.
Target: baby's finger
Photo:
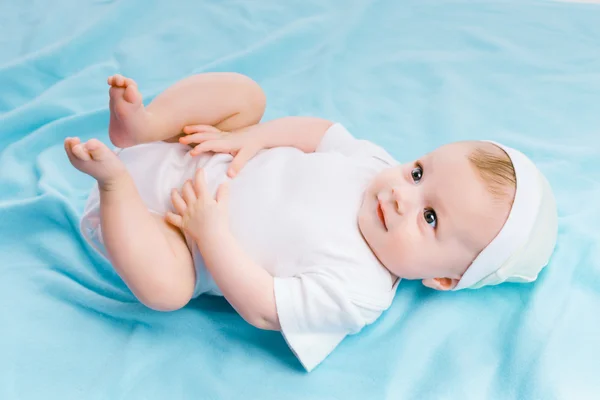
[
  {"x": 223, "y": 194},
  {"x": 199, "y": 137},
  {"x": 178, "y": 202},
  {"x": 200, "y": 129},
  {"x": 200, "y": 183},
  {"x": 240, "y": 159},
  {"x": 174, "y": 219},
  {"x": 189, "y": 194},
  {"x": 216, "y": 146}
]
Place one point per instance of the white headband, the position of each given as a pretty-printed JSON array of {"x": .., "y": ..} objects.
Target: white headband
[{"x": 527, "y": 239}]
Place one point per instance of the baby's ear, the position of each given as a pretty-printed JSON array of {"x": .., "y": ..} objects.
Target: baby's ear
[{"x": 443, "y": 284}]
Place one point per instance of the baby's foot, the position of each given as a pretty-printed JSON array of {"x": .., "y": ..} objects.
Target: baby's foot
[
  {"x": 129, "y": 120},
  {"x": 96, "y": 160}
]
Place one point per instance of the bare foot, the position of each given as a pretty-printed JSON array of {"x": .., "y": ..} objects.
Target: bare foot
[
  {"x": 96, "y": 160},
  {"x": 129, "y": 120}
]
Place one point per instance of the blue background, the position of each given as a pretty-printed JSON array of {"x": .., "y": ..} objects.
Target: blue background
[{"x": 409, "y": 75}]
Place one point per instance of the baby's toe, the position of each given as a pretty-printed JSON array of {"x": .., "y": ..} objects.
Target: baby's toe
[
  {"x": 132, "y": 95},
  {"x": 71, "y": 141},
  {"x": 119, "y": 80},
  {"x": 93, "y": 144},
  {"x": 116, "y": 80},
  {"x": 80, "y": 152},
  {"x": 98, "y": 150}
]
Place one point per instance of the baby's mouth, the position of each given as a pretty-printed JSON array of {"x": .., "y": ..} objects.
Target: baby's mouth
[{"x": 381, "y": 215}]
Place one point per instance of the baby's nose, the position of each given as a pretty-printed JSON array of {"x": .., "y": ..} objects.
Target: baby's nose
[{"x": 403, "y": 198}]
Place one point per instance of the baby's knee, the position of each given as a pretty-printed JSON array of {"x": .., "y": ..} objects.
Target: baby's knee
[
  {"x": 167, "y": 297},
  {"x": 251, "y": 97},
  {"x": 166, "y": 303}
]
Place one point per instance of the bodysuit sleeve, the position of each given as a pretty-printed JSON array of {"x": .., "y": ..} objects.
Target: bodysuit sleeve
[
  {"x": 338, "y": 139},
  {"x": 315, "y": 314}
]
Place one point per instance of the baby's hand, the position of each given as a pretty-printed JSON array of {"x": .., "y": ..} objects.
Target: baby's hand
[
  {"x": 242, "y": 145},
  {"x": 197, "y": 213}
]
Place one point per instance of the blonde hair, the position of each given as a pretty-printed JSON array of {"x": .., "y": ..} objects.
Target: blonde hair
[{"x": 496, "y": 170}]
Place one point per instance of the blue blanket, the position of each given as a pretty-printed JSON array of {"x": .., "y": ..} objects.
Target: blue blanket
[{"x": 409, "y": 75}]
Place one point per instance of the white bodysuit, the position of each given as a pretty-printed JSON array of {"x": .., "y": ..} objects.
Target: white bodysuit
[{"x": 295, "y": 214}]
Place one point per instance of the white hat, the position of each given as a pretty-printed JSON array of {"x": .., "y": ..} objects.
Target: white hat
[{"x": 526, "y": 241}]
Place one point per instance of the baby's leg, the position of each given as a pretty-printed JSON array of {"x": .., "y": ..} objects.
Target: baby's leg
[
  {"x": 228, "y": 101},
  {"x": 149, "y": 255}
]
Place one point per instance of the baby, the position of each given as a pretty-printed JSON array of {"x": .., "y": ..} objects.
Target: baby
[{"x": 312, "y": 236}]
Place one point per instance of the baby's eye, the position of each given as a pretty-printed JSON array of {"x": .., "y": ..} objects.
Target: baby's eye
[
  {"x": 417, "y": 173},
  {"x": 430, "y": 217}
]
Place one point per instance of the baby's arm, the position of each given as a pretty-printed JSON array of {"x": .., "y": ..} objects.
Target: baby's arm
[
  {"x": 304, "y": 133},
  {"x": 247, "y": 286}
]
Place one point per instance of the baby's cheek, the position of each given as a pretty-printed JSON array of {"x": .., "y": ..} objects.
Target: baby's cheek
[
  {"x": 378, "y": 183},
  {"x": 407, "y": 246}
]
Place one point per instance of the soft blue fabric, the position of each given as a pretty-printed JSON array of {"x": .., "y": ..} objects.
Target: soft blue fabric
[{"x": 409, "y": 75}]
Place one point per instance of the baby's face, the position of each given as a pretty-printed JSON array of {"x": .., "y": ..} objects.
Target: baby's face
[{"x": 430, "y": 218}]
